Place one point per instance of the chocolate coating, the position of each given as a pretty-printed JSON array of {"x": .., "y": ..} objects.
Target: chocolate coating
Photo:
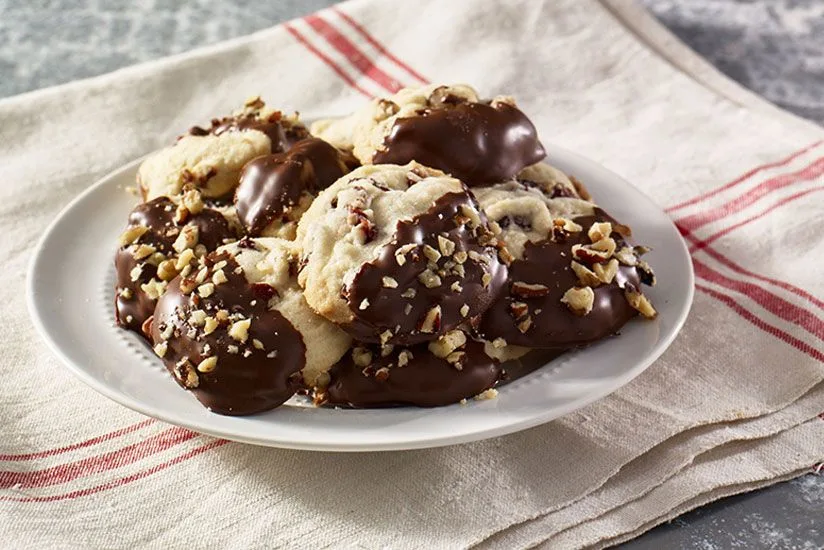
[
  {"x": 553, "y": 324},
  {"x": 158, "y": 215},
  {"x": 426, "y": 381},
  {"x": 272, "y": 185},
  {"x": 387, "y": 307},
  {"x": 477, "y": 143},
  {"x": 246, "y": 379},
  {"x": 282, "y": 136}
]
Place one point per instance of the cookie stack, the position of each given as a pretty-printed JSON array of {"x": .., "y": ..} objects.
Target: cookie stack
[{"x": 397, "y": 256}]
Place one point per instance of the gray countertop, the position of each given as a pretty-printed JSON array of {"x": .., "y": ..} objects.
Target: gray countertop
[{"x": 774, "y": 47}]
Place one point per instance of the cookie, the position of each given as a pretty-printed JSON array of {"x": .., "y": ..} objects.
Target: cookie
[
  {"x": 446, "y": 127},
  {"x": 574, "y": 278},
  {"x": 237, "y": 333},
  {"x": 162, "y": 238},
  {"x": 442, "y": 372},
  {"x": 398, "y": 254},
  {"x": 211, "y": 158},
  {"x": 275, "y": 190},
  {"x": 552, "y": 182}
]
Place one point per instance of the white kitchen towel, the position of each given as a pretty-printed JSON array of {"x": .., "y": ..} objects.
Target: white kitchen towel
[{"x": 79, "y": 471}]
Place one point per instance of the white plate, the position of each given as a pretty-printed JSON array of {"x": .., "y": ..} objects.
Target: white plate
[{"x": 70, "y": 296}]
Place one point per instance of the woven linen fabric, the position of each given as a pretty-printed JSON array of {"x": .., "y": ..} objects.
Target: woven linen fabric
[{"x": 731, "y": 406}]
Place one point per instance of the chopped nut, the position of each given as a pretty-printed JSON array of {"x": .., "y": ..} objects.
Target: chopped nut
[
  {"x": 126, "y": 293},
  {"x": 486, "y": 279},
  {"x": 525, "y": 324},
  {"x": 131, "y": 234},
  {"x": 222, "y": 315},
  {"x": 606, "y": 245},
  {"x": 201, "y": 275},
  {"x": 627, "y": 256},
  {"x": 472, "y": 216},
  {"x": 364, "y": 304},
  {"x": 186, "y": 375},
  {"x": 646, "y": 273},
  {"x": 385, "y": 336},
  {"x": 464, "y": 310},
  {"x": 624, "y": 230},
  {"x": 210, "y": 324},
  {"x": 586, "y": 276},
  {"x": 400, "y": 253},
  {"x": 456, "y": 359},
  {"x": 361, "y": 356},
  {"x": 460, "y": 256},
  {"x": 387, "y": 349},
  {"x": 154, "y": 289},
  {"x": 192, "y": 201},
  {"x": 447, "y": 343},
  {"x": 529, "y": 290},
  {"x": 206, "y": 290},
  {"x": 143, "y": 251},
  {"x": 432, "y": 321},
  {"x": 567, "y": 225},
  {"x": 639, "y": 302},
  {"x": 183, "y": 260},
  {"x": 181, "y": 214},
  {"x": 161, "y": 348},
  {"x": 588, "y": 255},
  {"x": 197, "y": 317},
  {"x": 207, "y": 365},
  {"x": 498, "y": 343},
  {"x": 240, "y": 330},
  {"x": 382, "y": 374},
  {"x": 166, "y": 270},
  {"x": 232, "y": 349},
  {"x": 431, "y": 254},
  {"x": 505, "y": 255},
  {"x": 446, "y": 246},
  {"x": 486, "y": 395},
  {"x": 640, "y": 250},
  {"x": 219, "y": 277},
  {"x": 606, "y": 273},
  {"x": 459, "y": 270},
  {"x": 186, "y": 239},
  {"x": 404, "y": 357},
  {"x": 579, "y": 300},
  {"x": 187, "y": 285},
  {"x": 409, "y": 293},
  {"x": 257, "y": 344},
  {"x": 407, "y": 309},
  {"x": 429, "y": 279},
  {"x": 389, "y": 282},
  {"x": 518, "y": 309},
  {"x": 456, "y": 287},
  {"x": 599, "y": 231},
  {"x": 167, "y": 331},
  {"x": 156, "y": 258}
]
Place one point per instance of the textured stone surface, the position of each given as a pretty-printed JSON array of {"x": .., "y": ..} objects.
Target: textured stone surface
[{"x": 774, "y": 47}]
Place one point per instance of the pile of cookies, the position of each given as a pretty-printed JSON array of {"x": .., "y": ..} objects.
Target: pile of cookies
[{"x": 400, "y": 255}]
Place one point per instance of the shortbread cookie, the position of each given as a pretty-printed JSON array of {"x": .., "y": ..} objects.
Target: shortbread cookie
[
  {"x": 398, "y": 254},
  {"x": 237, "y": 333},
  {"x": 162, "y": 238},
  {"x": 574, "y": 278},
  {"x": 441, "y": 372},
  {"x": 445, "y": 127},
  {"x": 210, "y": 159}
]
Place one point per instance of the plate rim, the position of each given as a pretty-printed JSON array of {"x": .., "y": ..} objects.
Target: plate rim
[{"x": 661, "y": 345}]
